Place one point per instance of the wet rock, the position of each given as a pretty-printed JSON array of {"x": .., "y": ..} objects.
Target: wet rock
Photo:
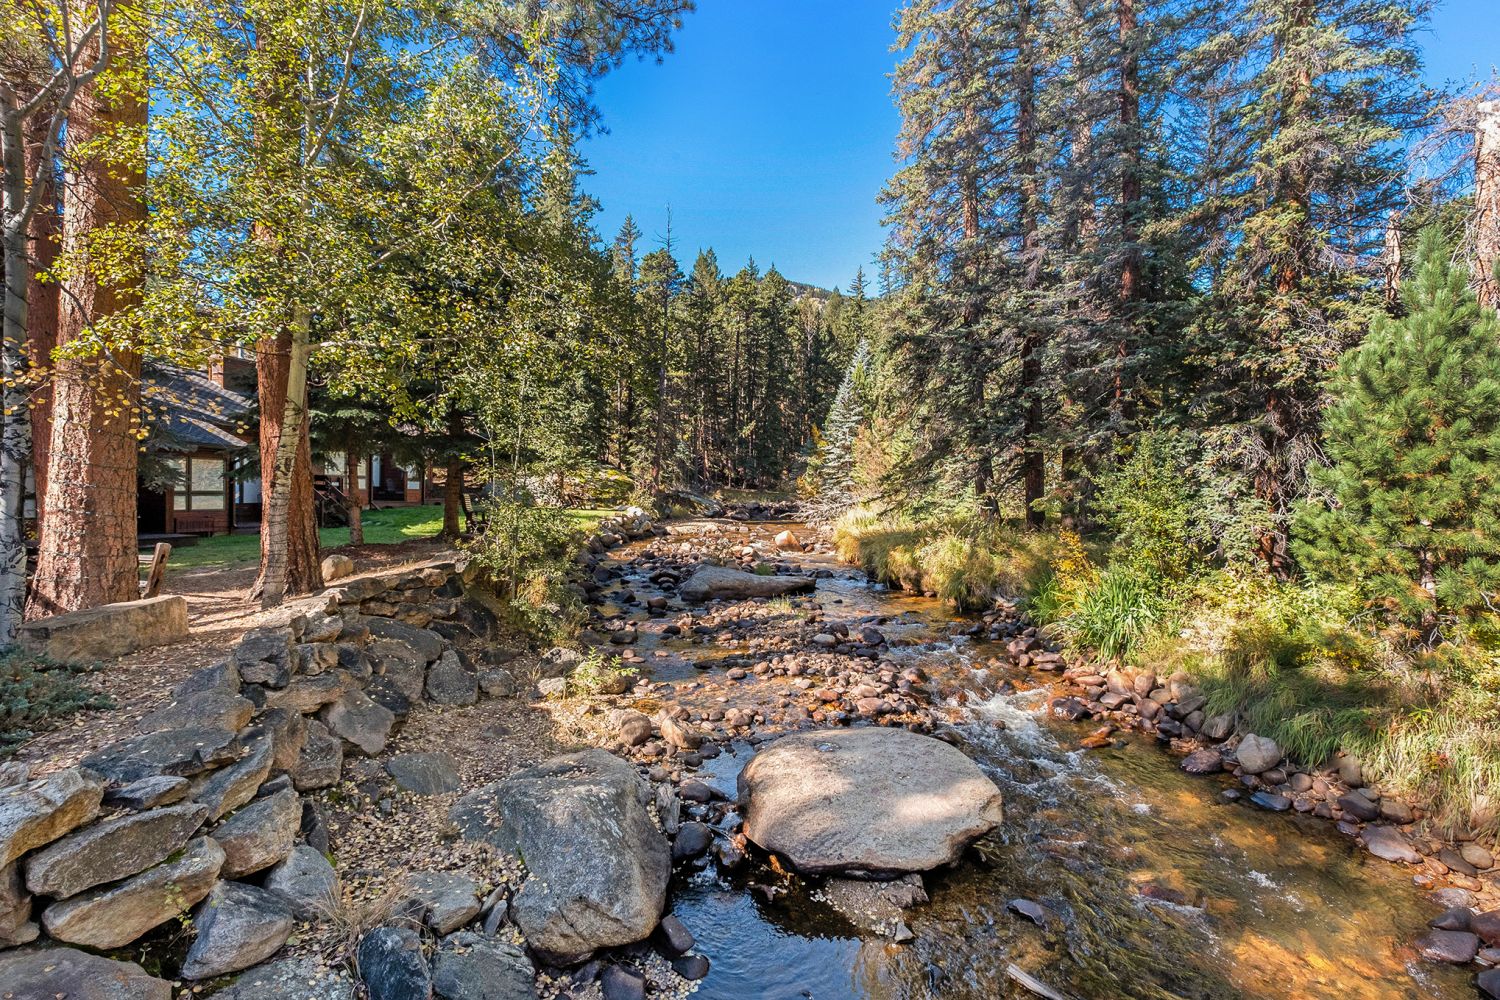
[
  {"x": 1033, "y": 911},
  {"x": 116, "y": 915},
  {"x": 1257, "y": 753},
  {"x": 1388, "y": 843},
  {"x": 720, "y": 582},
  {"x": 1357, "y": 805},
  {"x": 598, "y": 866},
  {"x": 112, "y": 850},
  {"x": 215, "y": 708},
  {"x": 306, "y": 884},
  {"x": 1271, "y": 800},
  {"x": 1455, "y": 862},
  {"x": 1454, "y": 918},
  {"x": 260, "y": 834},
  {"x": 1204, "y": 761},
  {"x": 392, "y": 966},
  {"x": 359, "y": 722},
  {"x": 1489, "y": 983},
  {"x": 1455, "y": 947},
  {"x": 691, "y": 841},
  {"x": 1071, "y": 709},
  {"x": 691, "y": 967},
  {"x": 622, "y": 983},
  {"x": 175, "y": 752},
  {"x": 34, "y": 813},
  {"x": 1487, "y": 926},
  {"x": 827, "y": 801},
  {"x": 425, "y": 773},
  {"x": 76, "y": 975},
  {"x": 237, "y": 926},
  {"x": 470, "y": 967},
  {"x": 321, "y": 760},
  {"x": 449, "y": 682},
  {"x": 675, "y": 935},
  {"x": 677, "y": 734}
]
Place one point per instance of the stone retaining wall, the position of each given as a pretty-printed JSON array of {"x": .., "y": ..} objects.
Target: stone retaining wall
[{"x": 210, "y": 793}]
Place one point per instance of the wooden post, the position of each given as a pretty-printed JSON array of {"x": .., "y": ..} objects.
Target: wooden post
[
  {"x": 1487, "y": 203},
  {"x": 158, "y": 569}
]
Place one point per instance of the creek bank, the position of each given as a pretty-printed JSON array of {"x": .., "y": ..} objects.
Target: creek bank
[{"x": 1110, "y": 701}]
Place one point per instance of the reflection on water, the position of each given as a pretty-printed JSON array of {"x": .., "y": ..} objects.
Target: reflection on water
[{"x": 1157, "y": 888}]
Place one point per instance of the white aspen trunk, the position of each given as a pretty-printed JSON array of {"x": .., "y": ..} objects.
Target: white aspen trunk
[
  {"x": 278, "y": 501},
  {"x": 15, "y": 433},
  {"x": 1487, "y": 204}
]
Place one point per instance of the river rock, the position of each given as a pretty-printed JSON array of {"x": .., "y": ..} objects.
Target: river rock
[
  {"x": 424, "y": 773},
  {"x": 470, "y": 967},
  {"x": 598, "y": 866},
  {"x": 360, "y": 722},
  {"x": 391, "y": 965},
  {"x": 787, "y": 540},
  {"x": 1454, "y": 947},
  {"x": 720, "y": 582},
  {"x": 217, "y": 708},
  {"x": 1487, "y": 926},
  {"x": 1203, "y": 761},
  {"x": 449, "y": 682},
  {"x": 34, "y": 813},
  {"x": 112, "y": 850},
  {"x": 1273, "y": 801},
  {"x": 633, "y": 727},
  {"x": 260, "y": 834},
  {"x": 866, "y": 801},
  {"x": 1356, "y": 804},
  {"x": 76, "y": 975},
  {"x": 1476, "y": 856},
  {"x": 1257, "y": 754},
  {"x": 306, "y": 884},
  {"x": 238, "y": 926},
  {"x": 1388, "y": 844},
  {"x": 116, "y": 915},
  {"x": 321, "y": 760},
  {"x": 336, "y": 567},
  {"x": 177, "y": 752}
]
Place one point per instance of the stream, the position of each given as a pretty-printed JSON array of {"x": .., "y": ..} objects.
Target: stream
[{"x": 1154, "y": 885}]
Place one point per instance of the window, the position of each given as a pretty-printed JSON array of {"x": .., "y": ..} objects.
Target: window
[{"x": 200, "y": 483}]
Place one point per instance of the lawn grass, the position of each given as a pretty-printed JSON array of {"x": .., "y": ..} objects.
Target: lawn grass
[{"x": 382, "y": 527}]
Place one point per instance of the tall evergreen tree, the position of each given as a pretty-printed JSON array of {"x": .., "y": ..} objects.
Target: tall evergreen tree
[{"x": 1412, "y": 507}]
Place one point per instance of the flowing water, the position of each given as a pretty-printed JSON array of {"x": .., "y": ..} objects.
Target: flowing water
[{"x": 1156, "y": 886}]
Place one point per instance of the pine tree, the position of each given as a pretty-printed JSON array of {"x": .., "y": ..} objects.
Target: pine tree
[
  {"x": 833, "y": 466},
  {"x": 1413, "y": 437}
]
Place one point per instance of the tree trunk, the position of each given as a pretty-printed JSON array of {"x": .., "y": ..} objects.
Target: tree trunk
[
  {"x": 1487, "y": 204},
  {"x": 1390, "y": 263},
  {"x": 1130, "y": 195},
  {"x": 289, "y": 525},
  {"x": 355, "y": 508},
  {"x": 41, "y": 304},
  {"x": 87, "y": 552},
  {"x": 15, "y": 431},
  {"x": 1033, "y": 463}
]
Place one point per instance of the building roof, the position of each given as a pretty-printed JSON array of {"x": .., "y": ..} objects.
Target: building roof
[{"x": 188, "y": 411}]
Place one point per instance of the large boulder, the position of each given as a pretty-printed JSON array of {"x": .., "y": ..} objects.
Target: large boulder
[
  {"x": 720, "y": 582},
  {"x": 306, "y": 883},
  {"x": 597, "y": 865},
  {"x": 112, "y": 850},
  {"x": 76, "y": 975},
  {"x": 866, "y": 801},
  {"x": 102, "y": 633},
  {"x": 115, "y": 915},
  {"x": 238, "y": 926},
  {"x": 34, "y": 813}
]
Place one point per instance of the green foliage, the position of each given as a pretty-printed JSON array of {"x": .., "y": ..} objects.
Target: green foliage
[
  {"x": 1412, "y": 507},
  {"x": 1121, "y": 610},
  {"x": 598, "y": 674},
  {"x": 36, "y": 695},
  {"x": 526, "y": 551},
  {"x": 1149, "y": 504}
]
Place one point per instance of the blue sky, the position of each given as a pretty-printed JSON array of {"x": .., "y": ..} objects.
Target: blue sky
[{"x": 769, "y": 131}]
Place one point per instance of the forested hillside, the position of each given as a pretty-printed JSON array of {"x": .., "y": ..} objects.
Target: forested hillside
[{"x": 1190, "y": 343}]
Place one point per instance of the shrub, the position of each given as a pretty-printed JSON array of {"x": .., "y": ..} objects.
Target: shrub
[
  {"x": 1148, "y": 502},
  {"x": 1123, "y": 608},
  {"x": 525, "y": 550},
  {"x": 36, "y": 695}
]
